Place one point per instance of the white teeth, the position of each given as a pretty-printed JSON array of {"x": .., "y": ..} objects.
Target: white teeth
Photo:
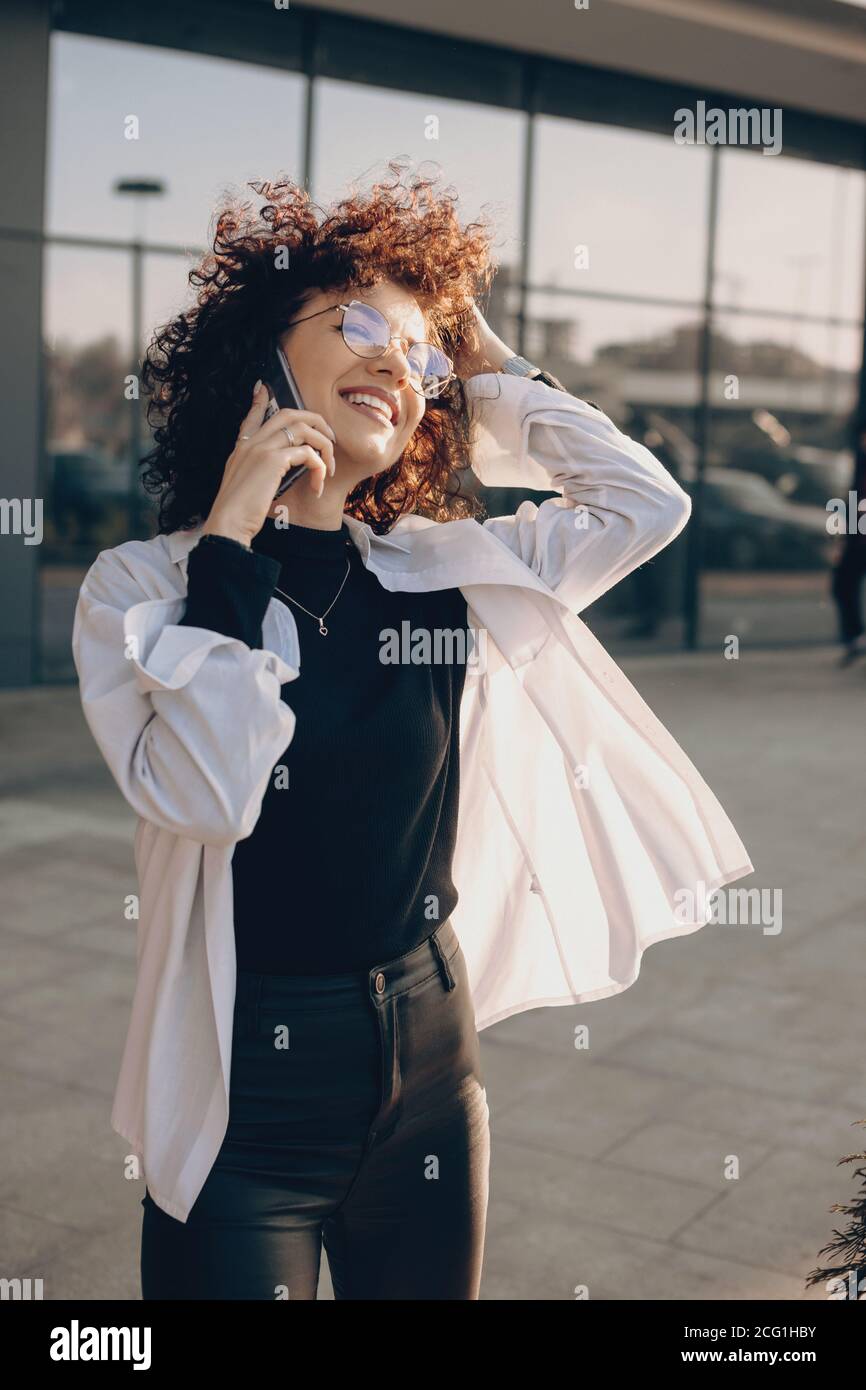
[{"x": 361, "y": 398}]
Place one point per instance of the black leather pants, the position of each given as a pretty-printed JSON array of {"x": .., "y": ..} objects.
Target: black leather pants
[{"x": 357, "y": 1118}]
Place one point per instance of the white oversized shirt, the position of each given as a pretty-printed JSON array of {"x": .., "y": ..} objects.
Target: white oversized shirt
[{"x": 583, "y": 828}]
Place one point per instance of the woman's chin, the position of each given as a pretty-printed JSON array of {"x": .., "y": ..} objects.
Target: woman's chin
[{"x": 366, "y": 464}]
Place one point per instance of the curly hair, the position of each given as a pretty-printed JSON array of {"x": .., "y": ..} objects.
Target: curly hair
[{"x": 200, "y": 367}]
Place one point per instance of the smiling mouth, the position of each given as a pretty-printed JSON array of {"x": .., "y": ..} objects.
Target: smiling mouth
[{"x": 372, "y": 412}]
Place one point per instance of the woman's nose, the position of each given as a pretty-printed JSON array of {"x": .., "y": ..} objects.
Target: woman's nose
[{"x": 396, "y": 358}]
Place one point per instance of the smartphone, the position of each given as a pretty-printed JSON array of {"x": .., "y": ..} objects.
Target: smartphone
[{"x": 283, "y": 391}]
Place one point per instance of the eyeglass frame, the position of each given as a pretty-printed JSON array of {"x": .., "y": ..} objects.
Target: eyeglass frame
[{"x": 399, "y": 336}]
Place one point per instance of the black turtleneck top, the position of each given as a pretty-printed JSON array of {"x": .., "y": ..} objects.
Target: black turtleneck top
[{"x": 349, "y": 864}]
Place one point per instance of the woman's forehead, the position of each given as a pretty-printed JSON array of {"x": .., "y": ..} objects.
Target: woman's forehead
[{"x": 398, "y": 305}]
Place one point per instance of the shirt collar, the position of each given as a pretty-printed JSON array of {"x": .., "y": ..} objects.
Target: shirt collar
[
  {"x": 180, "y": 543},
  {"x": 464, "y": 553}
]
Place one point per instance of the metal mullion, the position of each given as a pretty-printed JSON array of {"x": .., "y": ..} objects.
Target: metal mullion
[
  {"x": 98, "y": 243},
  {"x": 310, "y": 51},
  {"x": 661, "y": 302},
  {"x": 529, "y": 103},
  {"x": 702, "y": 421}
]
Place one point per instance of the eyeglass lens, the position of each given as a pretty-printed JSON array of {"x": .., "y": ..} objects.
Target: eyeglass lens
[{"x": 368, "y": 333}]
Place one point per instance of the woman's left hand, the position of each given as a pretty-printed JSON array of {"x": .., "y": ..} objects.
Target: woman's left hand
[{"x": 482, "y": 350}]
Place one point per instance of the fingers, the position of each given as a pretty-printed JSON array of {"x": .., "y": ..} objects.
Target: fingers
[
  {"x": 256, "y": 413},
  {"x": 316, "y": 481},
  {"x": 291, "y": 418},
  {"x": 323, "y": 446},
  {"x": 303, "y": 428},
  {"x": 317, "y": 469}
]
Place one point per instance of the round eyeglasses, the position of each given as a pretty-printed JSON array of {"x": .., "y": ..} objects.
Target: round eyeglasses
[{"x": 367, "y": 333}]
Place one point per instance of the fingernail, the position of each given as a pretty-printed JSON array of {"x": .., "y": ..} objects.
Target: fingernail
[
  {"x": 331, "y": 433},
  {"x": 256, "y": 387}
]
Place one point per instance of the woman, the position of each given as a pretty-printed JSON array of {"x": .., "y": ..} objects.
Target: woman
[{"x": 279, "y": 687}]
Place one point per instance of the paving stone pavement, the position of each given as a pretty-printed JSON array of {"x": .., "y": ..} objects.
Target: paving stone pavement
[{"x": 610, "y": 1164}]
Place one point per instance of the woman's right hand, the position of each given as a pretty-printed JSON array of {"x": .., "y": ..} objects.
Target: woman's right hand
[{"x": 259, "y": 462}]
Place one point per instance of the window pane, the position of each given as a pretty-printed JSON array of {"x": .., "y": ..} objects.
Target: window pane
[
  {"x": 637, "y": 202},
  {"x": 778, "y": 453},
  {"x": 166, "y": 291},
  {"x": 88, "y": 356},
  {"x": 639, "y": 364},
  {"x": 627, "y": 354},
  {"x": 203, "y": 124},
  {"x": 86, "y": 478},
  {"x": 479, "y": 149},
  {"x": 790, "y": 236}
]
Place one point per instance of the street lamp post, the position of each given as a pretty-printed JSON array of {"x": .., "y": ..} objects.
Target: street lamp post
[{"x": 139, "y": 190}]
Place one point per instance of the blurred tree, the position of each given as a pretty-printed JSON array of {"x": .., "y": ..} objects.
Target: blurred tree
[{"x": 849, "y": 1245}]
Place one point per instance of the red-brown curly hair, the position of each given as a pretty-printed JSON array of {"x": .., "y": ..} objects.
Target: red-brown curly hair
[{"x": 200, "y": 368}]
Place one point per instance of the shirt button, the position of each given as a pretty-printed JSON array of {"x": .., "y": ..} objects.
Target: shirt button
[{"x": 380, "y": 983}]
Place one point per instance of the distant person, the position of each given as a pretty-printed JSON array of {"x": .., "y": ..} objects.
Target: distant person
[{"x": 847, "y": 576}]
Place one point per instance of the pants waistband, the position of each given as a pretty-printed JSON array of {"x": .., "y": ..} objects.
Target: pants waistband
[{"x": 380, "y": 982}]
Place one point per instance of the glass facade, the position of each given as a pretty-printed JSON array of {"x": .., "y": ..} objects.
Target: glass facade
[
  {"x": 142, "y": 112},
  {"x": 787, "y": 343},
  {"x": 478, "y": 146},
  {"x": 709, "y": 299},
  {"x": 87, "y": 459}
]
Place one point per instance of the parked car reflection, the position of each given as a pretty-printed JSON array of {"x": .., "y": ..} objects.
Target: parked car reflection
[
  {"x": 748, "y": 524},
  {"x": 86, "y": 492},
  {"x": 802, "y": 473}
]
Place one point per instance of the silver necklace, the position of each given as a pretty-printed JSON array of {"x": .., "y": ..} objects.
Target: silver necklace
[{"x": 320, "y": 617}]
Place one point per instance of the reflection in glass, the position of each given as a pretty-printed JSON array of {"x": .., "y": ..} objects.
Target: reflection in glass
[
  {"x": 479, "y": 150},
  {"x": 625, "y": 356},
  {"x": 790, "y": 235},
  {"x": 790, "y": 238},
  {"x": 639, "y": 365},
  {"x": 188, "y": 133},
  {"x": 636, "y": 201},
  {"x": 86, "y": 462},
  {"x": 782, "y": 393},
  {"x": 166, "y": 291},
  {"x": 87, "y": 358}
]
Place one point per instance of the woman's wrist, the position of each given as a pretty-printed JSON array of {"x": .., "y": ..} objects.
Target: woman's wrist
[
  {"x": 219, "y": 539},
  {"x": 215, "y": 526},
  {"x": 497, "y": 353}
]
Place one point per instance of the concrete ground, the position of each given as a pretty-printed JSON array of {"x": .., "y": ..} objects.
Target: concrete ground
[{"x": 609, "y": 1164}]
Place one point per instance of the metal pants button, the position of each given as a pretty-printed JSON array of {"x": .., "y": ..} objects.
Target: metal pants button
[{"x": 380, "y": 983}]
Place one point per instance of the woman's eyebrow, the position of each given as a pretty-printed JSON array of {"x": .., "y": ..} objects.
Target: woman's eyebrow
[
  {"x": 425, "y": 339},
  {"x": 412, "y": 341}
]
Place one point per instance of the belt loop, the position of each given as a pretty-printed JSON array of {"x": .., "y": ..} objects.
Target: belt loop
[{"x": 447, "y": 977}]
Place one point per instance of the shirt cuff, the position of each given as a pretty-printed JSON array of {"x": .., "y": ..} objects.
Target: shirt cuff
[{"x": 229, "y": 589}]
